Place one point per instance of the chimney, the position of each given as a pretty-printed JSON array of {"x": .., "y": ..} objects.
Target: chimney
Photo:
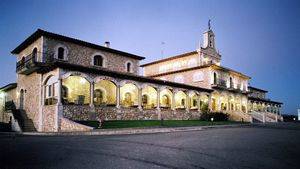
[{"x": 107, "y": 44}]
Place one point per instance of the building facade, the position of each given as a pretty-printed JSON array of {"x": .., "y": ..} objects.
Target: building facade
[{"x": 62, "y": 81}]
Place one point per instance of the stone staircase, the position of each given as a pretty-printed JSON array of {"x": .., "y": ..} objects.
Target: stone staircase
[
  {"x": 240, "y": 116},
  {"x": 25, "y": 123},
  {"x": 257, "y": 117},
  {"x": 265, "y": 117}
]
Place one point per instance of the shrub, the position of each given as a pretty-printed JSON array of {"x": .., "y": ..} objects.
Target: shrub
[{"x": 218, "y": 116}]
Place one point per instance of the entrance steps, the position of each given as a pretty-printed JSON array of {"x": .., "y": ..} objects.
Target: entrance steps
[
  {"x": 239, "y": 116},
  {"x": 265, "y": 117},
  {"x": 24, "y": 121}
]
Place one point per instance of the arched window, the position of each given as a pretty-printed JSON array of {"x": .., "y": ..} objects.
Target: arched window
[
  {"x": 51, "y": 91},
  {"x": 128, "y": 67},
  {"x": 215, "y": 78},
  {"x": 230, "y": 82},
  {"x": 98, "y": 60},
  {"x": 61, "y": 53},
  {"x": 34, "y": 54}
]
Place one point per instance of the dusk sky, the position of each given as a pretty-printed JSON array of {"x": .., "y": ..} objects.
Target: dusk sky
[{"x": 259, "y": 38}]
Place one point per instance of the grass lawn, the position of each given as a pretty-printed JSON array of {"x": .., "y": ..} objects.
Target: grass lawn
[{"x": 155, "y": 123}]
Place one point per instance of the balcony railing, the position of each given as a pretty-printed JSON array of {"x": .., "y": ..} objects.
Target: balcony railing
[
  {"x": 222, "y": 84},
  {"x": 33, "y": 61}
]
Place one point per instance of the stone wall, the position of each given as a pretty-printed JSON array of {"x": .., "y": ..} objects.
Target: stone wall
[
  {"x": 187, "y": 61},
  {"x": 188, "y": 77},
  {"x": 31, "y": 84},
  {"x": 28, "y": 50},
  {"x": 49, "y": 118},
  {"x": 75, "y": 112},
  {"x": 67, "y": 125},
  {"x": 83, "y": 55},
  {"x": 85, "y": 113},
  {"x": 180, "y": 114}
]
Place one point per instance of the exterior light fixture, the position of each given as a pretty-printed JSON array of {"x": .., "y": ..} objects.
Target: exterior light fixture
[{"x": 212, "y": 119}]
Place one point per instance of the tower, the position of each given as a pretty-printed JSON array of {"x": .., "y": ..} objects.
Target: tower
[
  {"x": 208, "y": 53},
  {"x": 209, "y": 38}
]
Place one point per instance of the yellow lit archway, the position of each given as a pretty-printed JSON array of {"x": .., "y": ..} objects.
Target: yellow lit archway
[
  {"x": 194, "y": 101},
  {"x": 166, "y": 98},
  {"x": 180, "y": 100},
  {"x": 105, "y": 93},
  {"x": 75, "y": 90},
  {"x": 129, "y": 95},
  {"x": 149, "y": 97}
]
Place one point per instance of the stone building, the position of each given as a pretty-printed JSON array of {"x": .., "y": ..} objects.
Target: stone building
[{"x": 62, "y": 81}]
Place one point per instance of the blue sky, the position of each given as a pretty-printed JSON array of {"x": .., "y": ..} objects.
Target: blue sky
[{"x": 259, "y": 38}]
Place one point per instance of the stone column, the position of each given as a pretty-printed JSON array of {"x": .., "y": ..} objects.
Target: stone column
[
  {"x": 92, "y": 86},
  {"x": 198, "y": 102},
  {"x": 158, "y": 104},
  {"x": 59, "y": 97},
  {"x": 118, "y": 96},
  {"x": 158, "y": 99},
  {"x": 140, "y": 99},
  {"x": 209, "y": 102},
  {"x": 173, "y": 100},
  {"x": 188, "y": 102}
]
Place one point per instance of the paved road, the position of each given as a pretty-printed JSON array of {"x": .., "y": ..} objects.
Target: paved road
[{"x": 275, "y": 146}]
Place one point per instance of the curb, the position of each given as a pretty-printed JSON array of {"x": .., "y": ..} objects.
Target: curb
[{"x": 127, "y": 131}]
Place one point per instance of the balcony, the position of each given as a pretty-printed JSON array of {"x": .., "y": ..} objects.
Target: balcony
[
  {"x": 33, "y": 62},
  {"x": 219, "y": 83},
  {"x": 222, "y": 84}
]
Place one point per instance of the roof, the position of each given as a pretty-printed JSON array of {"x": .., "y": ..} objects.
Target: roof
[
  {"x": 181, "y": 70},
  {"x": 199, "y": 67},
  {"x": 8, "y": 87},
  {"x": 39, "y": 32},
  {"x": 106, "y": 72},
  {"x": 258, "y": 89},
  {"x": 263, "y": 100},
  {"x": 170, "y": 58},
  {"x": 231, "y": 70}
]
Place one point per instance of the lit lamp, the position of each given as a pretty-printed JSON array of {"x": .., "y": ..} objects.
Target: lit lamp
[{"x": 212, "y": 120}]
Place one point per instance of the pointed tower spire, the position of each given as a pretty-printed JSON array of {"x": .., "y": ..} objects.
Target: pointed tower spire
[{"x": 209, "y": 28}]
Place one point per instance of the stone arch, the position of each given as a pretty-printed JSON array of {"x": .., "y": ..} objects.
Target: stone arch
[
  {"x": 56, "y": 51},
  {"x": 151, "y": 93},
  {"x": 130, "y": 67},
  {"x": 87, "y": 77},
  {"x": 104, "y": 64},
  {"x": 105, "y": 92}
]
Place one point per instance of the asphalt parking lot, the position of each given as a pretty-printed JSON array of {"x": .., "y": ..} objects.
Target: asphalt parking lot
[{"x": 272, "y": 146}]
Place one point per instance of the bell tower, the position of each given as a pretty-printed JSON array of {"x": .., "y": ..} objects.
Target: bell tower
[
  {"x": 209, "y": 38},
  {"x": 208, "y": 52}
]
